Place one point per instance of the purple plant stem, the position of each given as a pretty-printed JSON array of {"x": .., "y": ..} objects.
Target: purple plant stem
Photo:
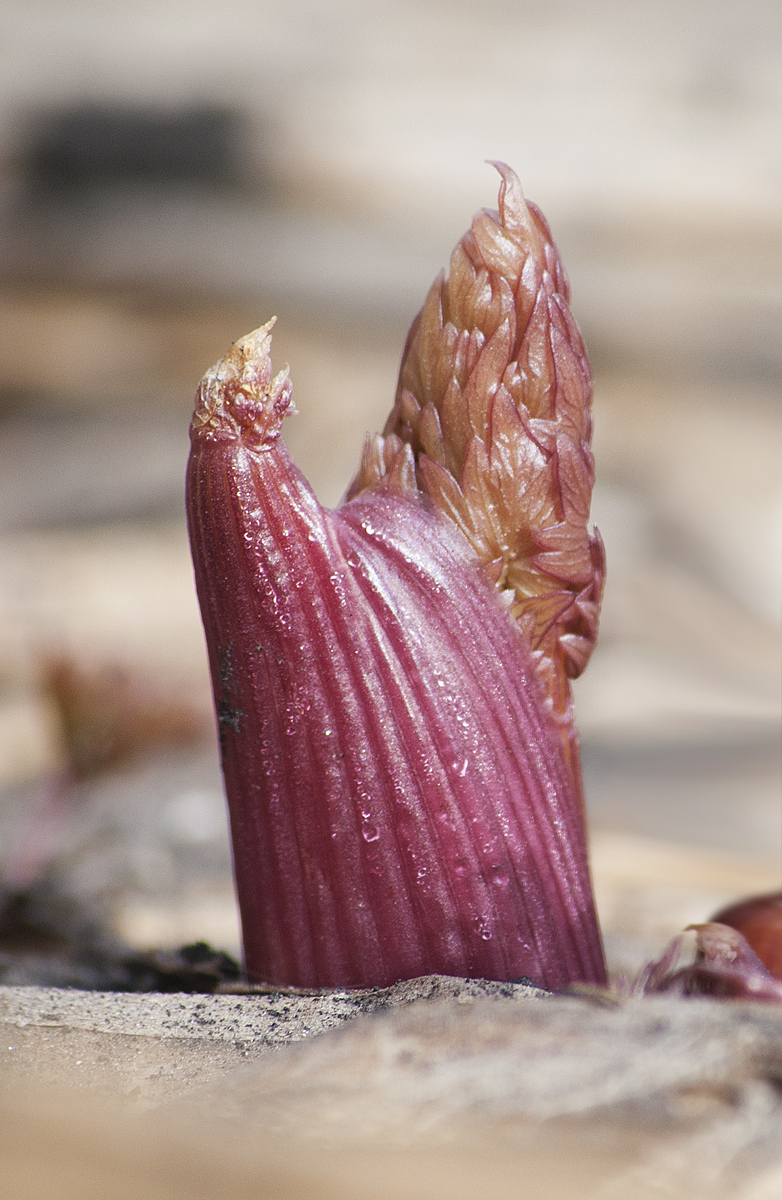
[{"x": 399, "y": 799}]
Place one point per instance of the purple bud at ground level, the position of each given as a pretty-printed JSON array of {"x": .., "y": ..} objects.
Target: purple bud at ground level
[
  {"x": 759, "y": 919},
  {"x": 725, "y": 967}
]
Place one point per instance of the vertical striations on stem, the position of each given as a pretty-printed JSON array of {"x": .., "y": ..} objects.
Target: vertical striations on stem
[{"x": 390, "y": 677}]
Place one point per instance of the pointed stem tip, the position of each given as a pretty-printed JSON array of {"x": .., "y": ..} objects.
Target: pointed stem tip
[{"x": 238, "y": 398}]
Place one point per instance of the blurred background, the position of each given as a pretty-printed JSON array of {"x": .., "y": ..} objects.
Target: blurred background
[{"x": 173, "y": 174}]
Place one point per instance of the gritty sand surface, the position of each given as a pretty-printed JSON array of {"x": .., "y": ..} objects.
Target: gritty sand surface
[
  {"x": 448, "y": 1088},
  {"x": 151, "y": 1046}
]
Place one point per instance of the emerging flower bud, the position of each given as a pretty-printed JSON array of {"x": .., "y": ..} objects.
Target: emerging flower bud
[
  {"x": 759, "y": 919},
  {"x": 391, "y": 678},
  {"x": 725, "y": 966}
]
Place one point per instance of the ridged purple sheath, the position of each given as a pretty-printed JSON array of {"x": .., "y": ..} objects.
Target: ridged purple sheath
[{"x": 399, "y": 795}]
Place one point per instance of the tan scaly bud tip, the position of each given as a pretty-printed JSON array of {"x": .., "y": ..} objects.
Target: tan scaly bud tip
[
  {"x": 239, "y": 399},
  {"x": 494, "y": 403}
]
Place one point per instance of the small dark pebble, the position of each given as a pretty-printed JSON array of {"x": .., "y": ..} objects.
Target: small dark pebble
[
  {"x": 197, "y": 967},
  {"x": 48, "y": 941}
]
